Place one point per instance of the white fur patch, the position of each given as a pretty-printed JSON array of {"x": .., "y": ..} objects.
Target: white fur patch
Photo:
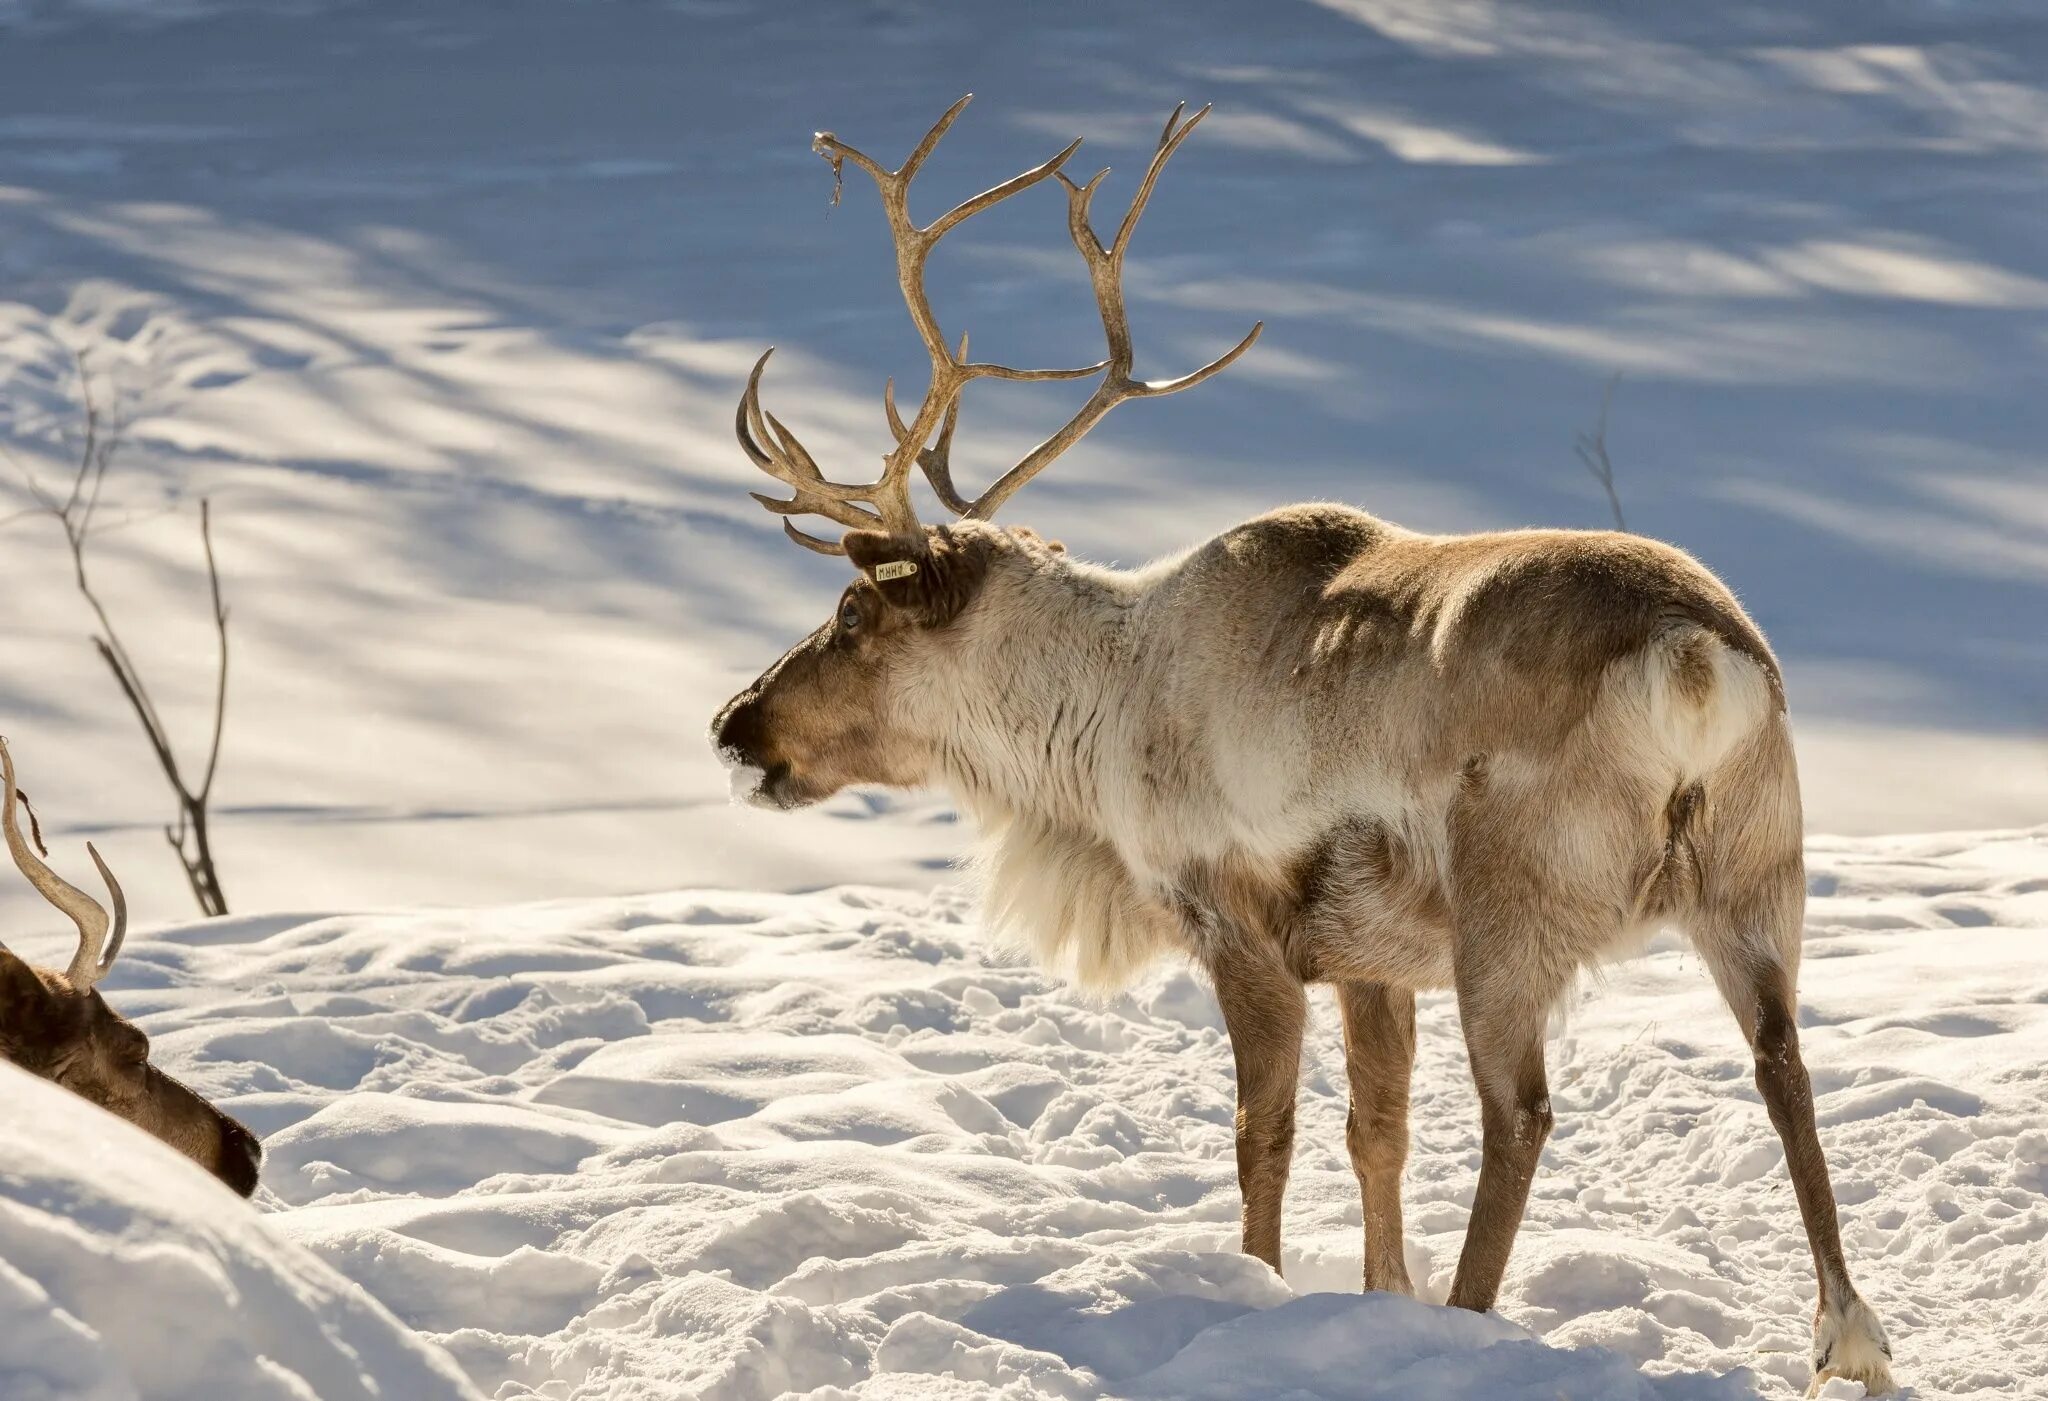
[
  {"x": 1851, "y": 1345},
  {"x": 1069, "y": 904},
  {"x": 1684, "y": 734}
]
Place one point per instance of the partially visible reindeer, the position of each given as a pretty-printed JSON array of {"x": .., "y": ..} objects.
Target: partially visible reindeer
[
  {"x": 1317, "y": 748},
  {"x": 57, "y": 1025}
]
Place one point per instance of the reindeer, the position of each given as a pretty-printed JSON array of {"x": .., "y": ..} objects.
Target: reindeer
[
  {"x": 1318, "y": 748},
  {"x": 57, "y": 1025}
]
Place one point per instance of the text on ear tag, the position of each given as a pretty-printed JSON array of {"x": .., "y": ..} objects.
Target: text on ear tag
[{"x": 895, "y": 569}]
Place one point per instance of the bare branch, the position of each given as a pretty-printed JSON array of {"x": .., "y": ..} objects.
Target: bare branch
[
  {"x": 220, "y": 626},
  {"x": 75, "y": 516},
  {"x": 89, "y": 407},
  {"x": 1592, "y": 450},
  {"x": 131, "y": 687}
]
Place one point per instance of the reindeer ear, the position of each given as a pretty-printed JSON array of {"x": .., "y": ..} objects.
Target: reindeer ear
[
  {"x": 869, "y": 549},
  {"x": 930, "y": 576}
]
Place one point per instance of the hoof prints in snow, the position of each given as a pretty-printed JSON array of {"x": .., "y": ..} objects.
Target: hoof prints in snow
[{"x": 735, "y": 1145}]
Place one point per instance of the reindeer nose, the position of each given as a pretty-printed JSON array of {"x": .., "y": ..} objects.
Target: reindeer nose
[
  {"x": 737, "y": 732},
  {"x": 241, "y": 1157}
]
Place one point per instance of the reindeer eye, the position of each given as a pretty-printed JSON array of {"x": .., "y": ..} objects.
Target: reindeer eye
[{"x": 849, "y": 615}]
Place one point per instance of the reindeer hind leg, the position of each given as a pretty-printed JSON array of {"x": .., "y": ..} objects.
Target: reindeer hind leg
[{"x": 1747, "y": 926}]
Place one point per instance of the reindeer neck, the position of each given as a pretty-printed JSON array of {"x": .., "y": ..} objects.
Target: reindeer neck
[{"x": 1036, "y": 693}]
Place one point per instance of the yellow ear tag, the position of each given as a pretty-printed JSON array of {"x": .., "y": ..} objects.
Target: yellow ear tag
[{"x": 895, "y": 569}]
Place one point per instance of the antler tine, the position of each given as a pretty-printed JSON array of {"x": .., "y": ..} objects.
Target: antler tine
[
  {"x": 773, "y": 447},
  {"x": 935, "y": 459},
  {"x": 95, "y": 948},
  {"x": 812, "y": 543},
  {"x": 1169, "y": 142},
  {"x": 916, "y": 159},
  {"x": 896, "y": 424},
  {"x": 776, "y": 451},
  {"x": 1106, "y": 272},
  {"x": 119, "y": 934},
  {"x": 995, "y": 194}
]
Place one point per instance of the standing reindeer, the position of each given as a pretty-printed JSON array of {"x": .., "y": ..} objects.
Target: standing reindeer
[
  {"x": 57, "y": 1025},
  {"x": 1317, "y": 748}
]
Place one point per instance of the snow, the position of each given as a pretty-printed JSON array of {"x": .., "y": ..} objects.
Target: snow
[
  {"x": 730, "y": 1145},
  {"x": 446, "y": 308},
  {"x": 127, "y": 1272}
]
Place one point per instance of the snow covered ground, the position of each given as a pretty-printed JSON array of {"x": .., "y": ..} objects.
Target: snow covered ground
[
  {"x": 730, "y": 1145},
  {"x": 126, "y": 1273}
]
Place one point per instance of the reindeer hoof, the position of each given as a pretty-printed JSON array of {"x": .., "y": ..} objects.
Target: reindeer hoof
[{"x": 1850, "y": 1344}]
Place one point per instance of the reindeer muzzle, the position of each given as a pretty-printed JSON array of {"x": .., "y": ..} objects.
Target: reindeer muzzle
[{"x": 241, "y": 1157}]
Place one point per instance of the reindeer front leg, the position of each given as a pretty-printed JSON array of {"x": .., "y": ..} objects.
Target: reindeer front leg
[
  {"x": 1265, "y": 1011},
  {"x": 1379, "y": 1056}
]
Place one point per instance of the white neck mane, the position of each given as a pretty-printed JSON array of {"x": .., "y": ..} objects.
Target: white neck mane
[{"x": 1036, "y": 705}]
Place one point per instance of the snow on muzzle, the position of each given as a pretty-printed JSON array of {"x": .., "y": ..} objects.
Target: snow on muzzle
[{"x": 745, "y": 782}]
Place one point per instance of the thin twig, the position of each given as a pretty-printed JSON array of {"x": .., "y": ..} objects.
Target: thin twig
[
  {"x": 220, "y": 625},
  {"x": 1592, "y": 450},
  {"x": 91, "y": 409},
  {"x": 189, "y": 834},
  {"x": 129, "y": 519}
]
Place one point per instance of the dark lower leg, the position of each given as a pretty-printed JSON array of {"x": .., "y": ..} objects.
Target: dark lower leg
[
  {"x": 1788, "y": 1096},
  {"x": 1848, "y": 1341}
]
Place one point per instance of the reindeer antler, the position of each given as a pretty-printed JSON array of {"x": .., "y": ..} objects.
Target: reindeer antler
[
  {"x": 98, "y": 945},
  {"x": 1106, "y": 273},
  {"x": 885, "y": 502}
]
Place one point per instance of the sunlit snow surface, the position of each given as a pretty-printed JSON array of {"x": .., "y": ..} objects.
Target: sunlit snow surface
[{"x": 730, "y": 1145}]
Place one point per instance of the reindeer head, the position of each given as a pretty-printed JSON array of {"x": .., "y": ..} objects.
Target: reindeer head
[
  {"x": 57, "y": 1025},
  {"x": 820, "y": 718}
]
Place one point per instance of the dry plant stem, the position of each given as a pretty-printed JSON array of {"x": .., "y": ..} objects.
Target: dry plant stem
[
  {"x": 885, "y": 503},
  {"x": 190, "y": 834},
  {"x": 1592, "y": 450}
]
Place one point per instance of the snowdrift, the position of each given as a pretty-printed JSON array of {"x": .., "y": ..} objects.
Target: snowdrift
[
  {"x": 127, "y": 1273},
  {"x": 735, "y": 1145}
]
